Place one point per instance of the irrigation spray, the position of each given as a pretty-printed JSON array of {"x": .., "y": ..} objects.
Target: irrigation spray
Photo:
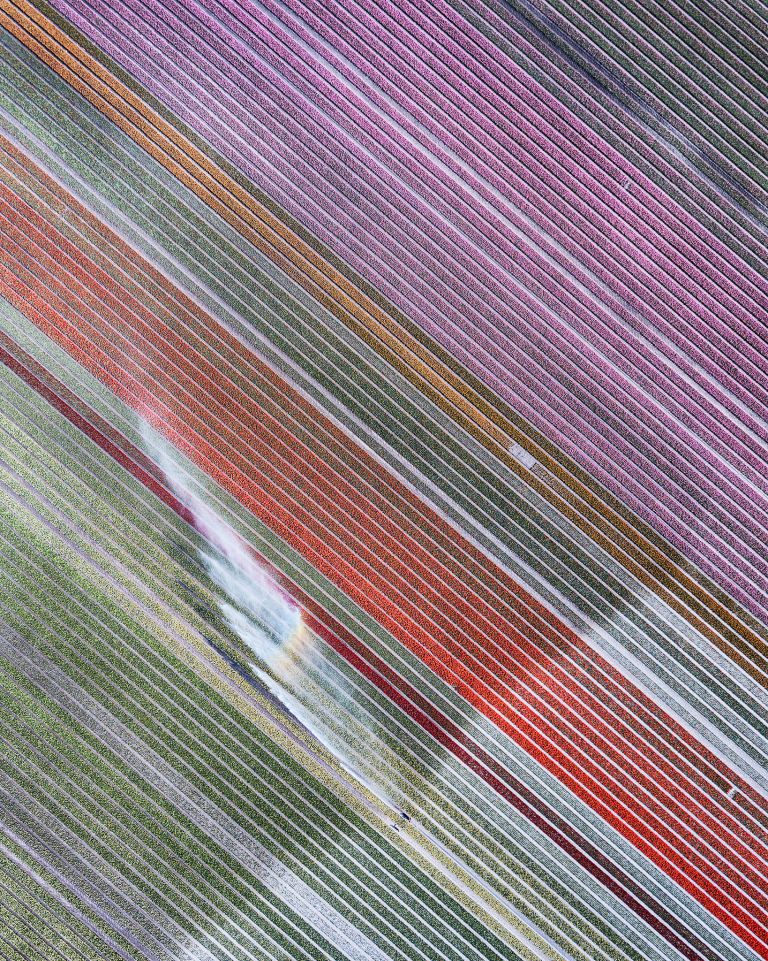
[{"x": 290, "y": 661}]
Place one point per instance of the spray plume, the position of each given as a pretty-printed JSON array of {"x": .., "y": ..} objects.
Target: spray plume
[{"x": 290, "y": 663}]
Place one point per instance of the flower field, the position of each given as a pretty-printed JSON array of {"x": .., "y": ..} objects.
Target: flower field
[{"x": 382, "y": 481}]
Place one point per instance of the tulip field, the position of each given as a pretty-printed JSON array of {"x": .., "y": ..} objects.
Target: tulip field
[{"x": 383, "y": 485}]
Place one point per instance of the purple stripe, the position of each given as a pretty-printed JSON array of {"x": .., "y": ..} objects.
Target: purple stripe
[
  {"x": 433, "y": 237},
  {"x": 411, "y": 165},
  {"x": 485, "y": 118},
  {"x": 711, "y": 250}
]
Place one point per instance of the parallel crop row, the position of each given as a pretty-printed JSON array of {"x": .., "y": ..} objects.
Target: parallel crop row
[
  {"x": 472, "y": 624},
  {"x": 80, "y": 459},
  {"x": 657, "y": 400}
]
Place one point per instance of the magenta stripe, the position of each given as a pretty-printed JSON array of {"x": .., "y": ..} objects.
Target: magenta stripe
[
  {"x": 471, "y": 47},
  {"x": 481, "y": 276},
  {"x": 443, "y": 157},
  {"x": 597, "y": 168},
  {"x": 495, "y": 137}
]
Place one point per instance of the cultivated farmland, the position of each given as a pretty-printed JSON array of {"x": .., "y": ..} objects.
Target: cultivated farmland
[{"x": 382, "y": 481}]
